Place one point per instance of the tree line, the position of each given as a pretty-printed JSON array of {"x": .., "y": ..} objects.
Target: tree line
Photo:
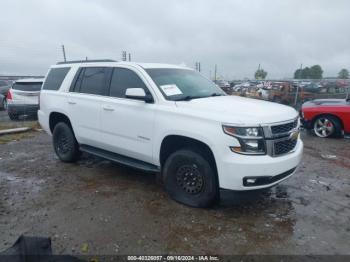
[{"x": 313, "y": 72}]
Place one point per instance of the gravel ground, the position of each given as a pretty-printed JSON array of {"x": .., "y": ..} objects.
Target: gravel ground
[{"x": 97, "y": 207}]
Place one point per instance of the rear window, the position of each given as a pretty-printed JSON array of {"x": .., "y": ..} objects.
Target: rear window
[
  {"x": 55, "y": 78},
  {"x": 32, "y": 86}
]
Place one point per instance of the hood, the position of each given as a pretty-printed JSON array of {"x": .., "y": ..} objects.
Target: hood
[
  {"x": 239, "y": 110},
  {"x": 325, "y": 102}
]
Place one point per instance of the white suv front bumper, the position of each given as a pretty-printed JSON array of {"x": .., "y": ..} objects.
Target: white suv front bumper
[{"x": 234, "y": 169}]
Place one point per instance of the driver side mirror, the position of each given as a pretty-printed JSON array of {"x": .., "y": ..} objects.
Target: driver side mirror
[{"x": 138, "y": 94}]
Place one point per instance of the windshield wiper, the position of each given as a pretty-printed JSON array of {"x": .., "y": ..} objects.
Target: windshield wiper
[
  {"x": 216, "y": 94},
  {"x": 187, "y": 98}
]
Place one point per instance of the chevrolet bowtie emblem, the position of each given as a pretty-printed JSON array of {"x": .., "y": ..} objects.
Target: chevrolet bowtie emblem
[{"x": 294, "y": 134}]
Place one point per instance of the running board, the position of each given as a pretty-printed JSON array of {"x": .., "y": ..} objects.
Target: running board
[{"x": 120, "y": 159}]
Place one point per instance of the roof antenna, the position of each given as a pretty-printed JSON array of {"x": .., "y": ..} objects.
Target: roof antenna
[{"x": 64, "y": 53}]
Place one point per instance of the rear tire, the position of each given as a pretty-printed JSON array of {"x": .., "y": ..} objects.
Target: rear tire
[
  {"x": 65, "y": 144},
  {"x": 190, "y": 179}
]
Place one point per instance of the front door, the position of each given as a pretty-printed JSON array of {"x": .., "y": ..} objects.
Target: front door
[{"x": 127, "y": 124}]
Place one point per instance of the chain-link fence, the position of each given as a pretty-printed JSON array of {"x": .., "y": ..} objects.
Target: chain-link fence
[{"x": 293, "y": 93}]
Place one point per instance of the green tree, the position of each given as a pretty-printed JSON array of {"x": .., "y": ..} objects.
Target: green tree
[
  {"x": 298, "y": 74},
  {"x": 260, "y": 74},
  {"x": 305, "y": 73},
  {"x": 316, "y": 72},
  {"x": 343, "y": 74}
]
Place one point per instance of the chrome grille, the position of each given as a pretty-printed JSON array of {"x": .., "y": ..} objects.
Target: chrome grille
[
  {"x": 284, "y": 146},
  {"x": 284, "y": 128},
  {"x": 279, "y": 137}
]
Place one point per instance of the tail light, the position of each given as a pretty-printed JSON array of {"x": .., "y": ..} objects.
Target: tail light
[{"x": 9, "y": 95}]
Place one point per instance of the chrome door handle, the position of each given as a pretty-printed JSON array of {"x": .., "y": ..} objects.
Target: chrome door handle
[
  {"x": 71, "y": 102},
  {"x": 108, "y": 108}
]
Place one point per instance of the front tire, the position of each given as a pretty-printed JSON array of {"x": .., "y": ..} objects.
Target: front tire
[
  {"x": 65, "y": 144},
  {"x": 327, "y": 126},
  {"x": 190, "y": 179}
]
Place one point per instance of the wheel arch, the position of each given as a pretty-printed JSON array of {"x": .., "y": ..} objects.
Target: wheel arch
[
  {"x": 57, "y": 117},
  {"x": 172, "y": 143}
]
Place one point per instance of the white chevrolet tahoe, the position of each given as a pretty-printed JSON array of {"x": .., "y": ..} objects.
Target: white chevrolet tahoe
[{"x": 172, "y": 121}]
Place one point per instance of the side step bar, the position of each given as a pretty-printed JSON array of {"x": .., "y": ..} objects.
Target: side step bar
[{"x": 120, "y": 159}]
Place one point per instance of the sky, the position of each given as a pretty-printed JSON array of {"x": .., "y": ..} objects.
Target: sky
[{"x": 237, "y": 35}]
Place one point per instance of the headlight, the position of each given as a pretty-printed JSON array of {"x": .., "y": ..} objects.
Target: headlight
[
  {"x": 251, "y": 139},
  {"x": 244, "y": 132}
]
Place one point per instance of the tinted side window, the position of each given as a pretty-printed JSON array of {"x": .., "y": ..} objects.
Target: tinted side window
[
  {"x": 122, "y": 79},
  {"x": 55, "y": 78},
  {"x": 75, "y": 86},
  {"x": 93, "y": 81}
]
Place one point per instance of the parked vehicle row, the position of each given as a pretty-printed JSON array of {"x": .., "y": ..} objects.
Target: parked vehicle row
[{"x": 292, "y": 92}]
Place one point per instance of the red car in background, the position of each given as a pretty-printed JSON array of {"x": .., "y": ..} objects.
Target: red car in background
[{"x": 327, "y": 117}]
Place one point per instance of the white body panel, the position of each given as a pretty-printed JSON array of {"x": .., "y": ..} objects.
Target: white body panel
[{"x": 136, "y": 129}]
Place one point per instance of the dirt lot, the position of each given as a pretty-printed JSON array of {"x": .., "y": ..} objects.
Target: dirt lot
[{"x": 97, "y": 207}]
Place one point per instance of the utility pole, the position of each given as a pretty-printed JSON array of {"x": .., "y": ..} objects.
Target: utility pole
[
  {"x": 123, "y": 55},
  {"x": 198, "y": 66},
  {"x": 64, "y": 54},
  {"x": 297, "y": 91},
  {"x": 215, "y": 71}
]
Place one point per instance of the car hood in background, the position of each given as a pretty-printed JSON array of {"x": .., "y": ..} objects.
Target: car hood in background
[
  {"x": 326, "y": 102},
  {"x": 239, "y": 110}
]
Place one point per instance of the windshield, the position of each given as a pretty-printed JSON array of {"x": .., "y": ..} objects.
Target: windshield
[
  {"x": 33, "y": 86},
  {"x": 182, "y": 84}
]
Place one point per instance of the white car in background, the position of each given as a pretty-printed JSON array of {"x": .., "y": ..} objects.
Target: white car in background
[{"x": 23, "y": 97}]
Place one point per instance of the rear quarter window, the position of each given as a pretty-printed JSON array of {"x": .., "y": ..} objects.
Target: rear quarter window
[
  {"x": 30, "y": 86},
  {"x": 55, "y": 78}
]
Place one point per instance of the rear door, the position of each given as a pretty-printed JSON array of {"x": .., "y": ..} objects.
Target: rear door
[
  {"x": 26, "y": 93},
  {"x": 84, "y": 103}
]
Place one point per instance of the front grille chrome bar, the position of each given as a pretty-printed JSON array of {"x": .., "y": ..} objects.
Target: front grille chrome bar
[{"x": 272, "y": 138}]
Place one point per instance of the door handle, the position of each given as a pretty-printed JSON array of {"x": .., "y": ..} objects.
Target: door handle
[
  {"x": 108, "y": 108},
  {"x": 71, "y": 102}
]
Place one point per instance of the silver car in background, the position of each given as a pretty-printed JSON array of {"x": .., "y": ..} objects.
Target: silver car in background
[{"x": 23, "y": 98}]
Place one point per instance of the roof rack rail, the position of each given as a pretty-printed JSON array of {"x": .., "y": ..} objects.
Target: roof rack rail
[{"x": 86, "y": 61}]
